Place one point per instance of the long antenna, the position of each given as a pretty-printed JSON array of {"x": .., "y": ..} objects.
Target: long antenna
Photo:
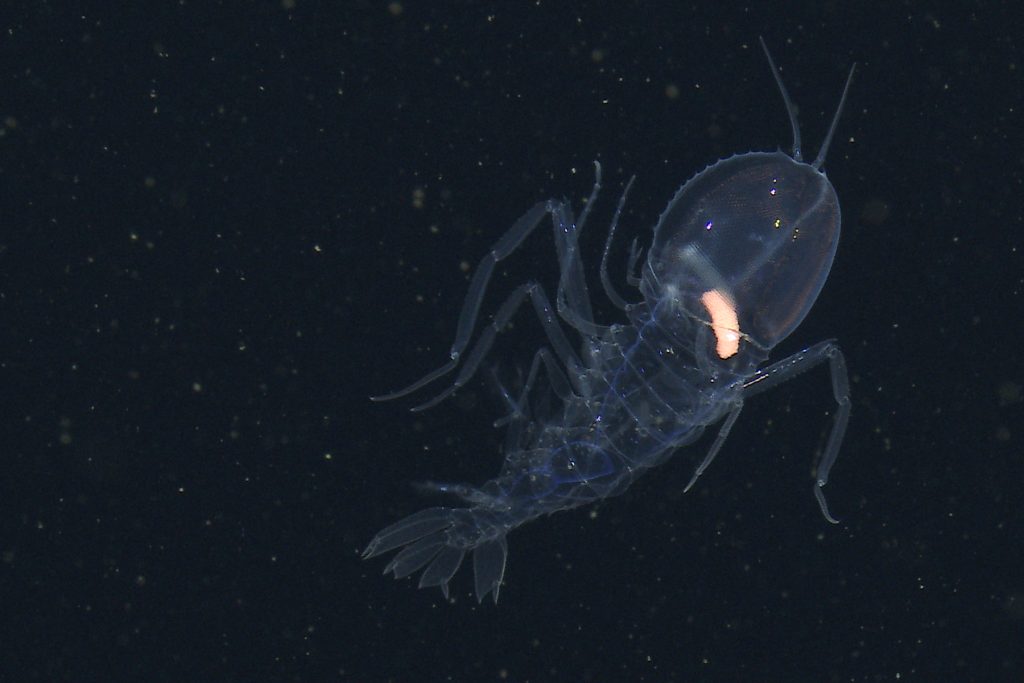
[
  {"x": 820, "y": 159},
  {"x": 797, "y": 154}
]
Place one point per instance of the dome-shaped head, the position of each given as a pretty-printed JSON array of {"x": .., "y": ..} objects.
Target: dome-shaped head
[{"x": 746, "y": 246}]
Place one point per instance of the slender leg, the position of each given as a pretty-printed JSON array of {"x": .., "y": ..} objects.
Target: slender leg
[
  {"x": 786, "y": 369},
  {"x": 515, "y": 411},
  {"x": 507, "y": 244},
  {"x": 594, "y": 191},
  {"x": 634, "y": 256},
  {"x": 723, "y": 434},
  {"x": 572, "y": 298},
  {"x": 518, "y": 408},
  {"x": 606, "y": 282},
  {"x": 542, "y": 306}
]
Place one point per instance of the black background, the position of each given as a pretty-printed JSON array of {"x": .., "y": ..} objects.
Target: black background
[{"x": 224, "y": 225}]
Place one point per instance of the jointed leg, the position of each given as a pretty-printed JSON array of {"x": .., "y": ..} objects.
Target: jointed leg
[
  {"x": 542, "y": 306},
  {"x": 786, "y": 369},
  {"x": 723, "y": 434},
  {"x": 606, "y": 282}
]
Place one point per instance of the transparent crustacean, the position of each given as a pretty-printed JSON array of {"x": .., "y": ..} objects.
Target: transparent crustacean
[{"x": 737, "y": 260}]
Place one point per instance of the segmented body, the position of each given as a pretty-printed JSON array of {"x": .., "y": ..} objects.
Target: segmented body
[
  {"x": 642, "y": 391},
  {"x": 642, "y": 396},
  {"x": 737, "y": 259}
]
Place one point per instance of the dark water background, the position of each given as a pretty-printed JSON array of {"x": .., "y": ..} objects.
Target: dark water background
[{"x": 225, "y": 225}]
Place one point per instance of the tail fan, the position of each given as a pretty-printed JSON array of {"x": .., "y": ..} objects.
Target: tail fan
[{"x": 428, "y": 537}]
